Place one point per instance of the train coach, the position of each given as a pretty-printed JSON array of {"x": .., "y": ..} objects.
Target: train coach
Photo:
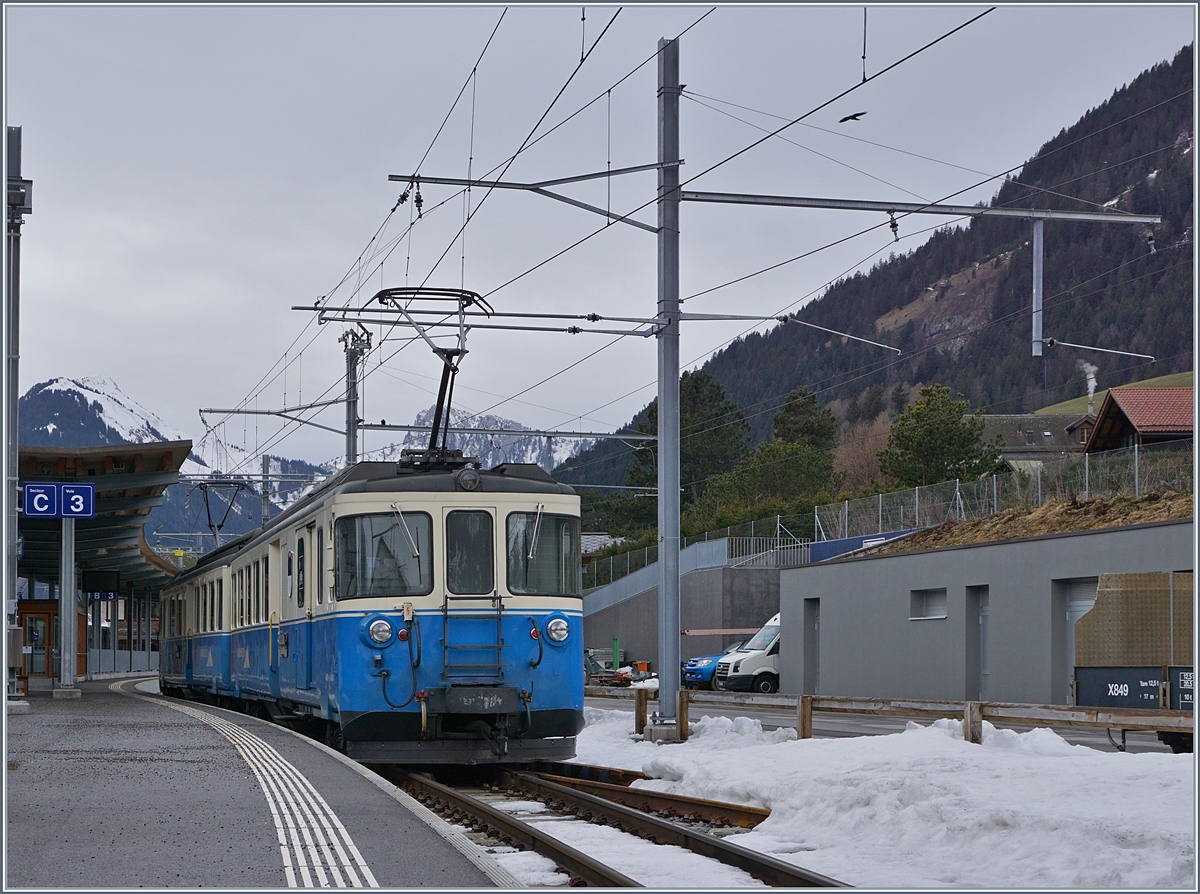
[{"x": 420, "y": 612}]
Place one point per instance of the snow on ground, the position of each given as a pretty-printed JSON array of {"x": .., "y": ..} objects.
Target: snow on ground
[{"x": 925, "y": 809}]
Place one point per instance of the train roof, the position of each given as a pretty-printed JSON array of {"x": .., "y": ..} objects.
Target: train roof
[{"x": 391, "y": 477}]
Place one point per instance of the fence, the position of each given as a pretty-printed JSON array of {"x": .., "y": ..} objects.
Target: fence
[
  {"x": 1128, "y": 472},
  {"x": 972, "y": 713},
  {"x": 743, "y": 552},
  {"x": 770, "y": 542}
]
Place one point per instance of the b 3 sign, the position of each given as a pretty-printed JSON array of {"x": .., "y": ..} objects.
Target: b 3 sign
[{"x": 59, "y": 501}]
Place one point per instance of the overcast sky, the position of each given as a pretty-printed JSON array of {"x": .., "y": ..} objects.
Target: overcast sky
[{"x": 199, "y": 170}]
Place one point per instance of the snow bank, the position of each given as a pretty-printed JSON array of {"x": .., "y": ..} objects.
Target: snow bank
[{"x": 923, "y": 808}]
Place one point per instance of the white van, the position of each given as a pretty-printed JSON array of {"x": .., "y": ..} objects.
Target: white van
[{"x": 755, "y": 666}]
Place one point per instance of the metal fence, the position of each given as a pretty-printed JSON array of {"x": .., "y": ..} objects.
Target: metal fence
[
  {"x": 1127, "y": 472},
  {"x": 766, "y": 552},
  {"x": 747, "y": 549},
  {"x": 770, "y": 542}
]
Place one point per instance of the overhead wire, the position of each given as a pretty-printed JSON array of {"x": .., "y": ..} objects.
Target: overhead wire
[
  {"x": 743, "y": 150},
  {"x": 871, "y": 369},
  {"x": 779, "y": 130},
  {"x": 407, "y": 233}
]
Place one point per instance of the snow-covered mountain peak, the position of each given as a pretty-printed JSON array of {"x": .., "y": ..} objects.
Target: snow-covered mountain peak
[{"x": 123, "y": 418}]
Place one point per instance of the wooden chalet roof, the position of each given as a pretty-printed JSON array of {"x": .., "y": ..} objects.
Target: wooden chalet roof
[{"x": 1148, "y": 413}]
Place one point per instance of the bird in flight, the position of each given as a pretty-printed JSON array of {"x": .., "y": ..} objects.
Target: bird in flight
[{"x": 853, "y": 117}]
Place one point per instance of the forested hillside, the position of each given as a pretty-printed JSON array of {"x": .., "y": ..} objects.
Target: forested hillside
[{"x": 959, "y": 306}]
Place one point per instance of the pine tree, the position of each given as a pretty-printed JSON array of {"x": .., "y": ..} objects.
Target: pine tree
[{"x": 935, "y": 440}]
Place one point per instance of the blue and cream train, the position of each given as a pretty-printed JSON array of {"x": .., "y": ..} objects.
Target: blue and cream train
[{"x": 415, "y": 612}]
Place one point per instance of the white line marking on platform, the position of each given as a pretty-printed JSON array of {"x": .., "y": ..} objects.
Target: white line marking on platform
[{"x": 311, "y": 837}]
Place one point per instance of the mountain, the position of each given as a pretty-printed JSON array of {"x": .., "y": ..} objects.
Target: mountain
[
  {"x": 86, "y": 412},
  {"x": 491, "y": 450},
  {"x": 959, "y": 305}
]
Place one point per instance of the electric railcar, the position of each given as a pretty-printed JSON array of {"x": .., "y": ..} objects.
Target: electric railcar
[{"x": 421, "y": 612}]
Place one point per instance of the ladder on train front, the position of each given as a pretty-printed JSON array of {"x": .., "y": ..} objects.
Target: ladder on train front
[{"x": 472, "y": 639}]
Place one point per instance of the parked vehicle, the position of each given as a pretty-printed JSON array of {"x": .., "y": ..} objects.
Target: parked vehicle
[
  {"x": 698, "y": 672},
  {"x": 755, "y": 666},
  {"x": 596, "y": 674}
]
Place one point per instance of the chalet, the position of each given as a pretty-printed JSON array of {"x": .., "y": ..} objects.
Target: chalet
[{"x": 1141, "y": 416}]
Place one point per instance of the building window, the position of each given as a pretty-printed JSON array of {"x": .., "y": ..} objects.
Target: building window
[{"x": 927, "y": 604}]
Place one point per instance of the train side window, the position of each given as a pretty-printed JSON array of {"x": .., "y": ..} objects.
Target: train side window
[
  {"x": 470, "y": 562},
  {"x": 300, "y": 572},
  {"x": 257, "y": 592},
  {"x": 195, "y": 607},
  {"x": 220, "y": 613},
  {"x": 319, "y": 586}
]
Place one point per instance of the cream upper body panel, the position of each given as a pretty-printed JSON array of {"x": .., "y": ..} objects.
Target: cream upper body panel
[{"x": 437, "y": 506}]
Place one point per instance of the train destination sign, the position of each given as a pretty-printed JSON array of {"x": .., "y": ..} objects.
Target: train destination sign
[{"x": 52, "y": 500}]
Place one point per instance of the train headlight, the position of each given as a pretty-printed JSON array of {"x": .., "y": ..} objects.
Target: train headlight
[
  {"x": 380, "y": 631},
  {"x": 557, "y": 630}
]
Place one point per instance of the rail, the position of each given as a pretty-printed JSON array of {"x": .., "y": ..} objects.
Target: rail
[
  {"x": 972, "y": 713},
  {"x": 525, "y": 834},
  {"x": 771, "y": 870}
]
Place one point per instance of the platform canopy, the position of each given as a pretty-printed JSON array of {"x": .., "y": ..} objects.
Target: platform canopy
[{"x": 129, "y": 481}]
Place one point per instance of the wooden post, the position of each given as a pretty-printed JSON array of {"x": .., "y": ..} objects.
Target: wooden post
[
  {"x": 639, "y": 710},
  {"x": 805, "y": 716},
  {"x": 973, "y": 722},
  {"x": 681, "y": 713}
]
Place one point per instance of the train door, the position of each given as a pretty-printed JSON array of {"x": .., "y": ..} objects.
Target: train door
[
  {"x": 305, "y": 597},
  {"x": 472, "y": 613},
  {"x": 272, "y": 578},
  {"x": 191, "y": 618}
]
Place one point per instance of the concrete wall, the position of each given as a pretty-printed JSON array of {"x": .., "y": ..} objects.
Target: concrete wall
[
  {"x": 866, "y": 644},
  {"x": 710, "y": 598}
]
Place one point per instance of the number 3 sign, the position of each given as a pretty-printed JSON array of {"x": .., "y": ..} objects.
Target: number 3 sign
[{"x": 60, "y": 501}]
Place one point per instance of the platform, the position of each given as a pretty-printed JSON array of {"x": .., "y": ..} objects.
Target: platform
[{"x": 123, "y": 788}]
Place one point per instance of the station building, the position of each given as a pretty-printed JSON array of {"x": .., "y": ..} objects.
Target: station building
[
  {"x": 109, "y": 634},
  {"x": 992, "y": 621}
]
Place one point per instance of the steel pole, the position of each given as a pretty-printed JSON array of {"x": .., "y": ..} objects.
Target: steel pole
[
  {"x": 351, "y": 402},
  {"x": 266, "y": 490},
  {"x": 668, "y": 378},
  {"x": 12, "y": 343},
  {"x": 66, "y": 607},
  {"x": 1039, "y": 227}
]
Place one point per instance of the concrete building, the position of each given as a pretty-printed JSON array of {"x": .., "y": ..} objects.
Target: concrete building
[
  {"x": 718, "y": 605},
  {"x": 992, "y": 621}
]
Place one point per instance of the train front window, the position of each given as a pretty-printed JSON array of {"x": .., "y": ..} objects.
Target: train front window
[
  {"x": 543, "y": 554},
  {"x": 388, "y": 554},
  {"x": 470, "y": 566}
]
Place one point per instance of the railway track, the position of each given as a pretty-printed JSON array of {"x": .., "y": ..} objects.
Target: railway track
[{"x": 602, "y": 795}]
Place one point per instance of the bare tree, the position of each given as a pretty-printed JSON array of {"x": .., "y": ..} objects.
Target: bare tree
[{"x": 857, "y": 453}]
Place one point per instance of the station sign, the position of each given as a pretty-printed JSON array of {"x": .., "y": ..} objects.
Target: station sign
[
  {"x": 101, "y": 585},
  {"x": 52, "y": 500}
]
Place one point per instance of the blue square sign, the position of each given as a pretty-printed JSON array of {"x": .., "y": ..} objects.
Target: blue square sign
[
  {"x": 59, "y": 500},
  {"x": 41, "y": 501},
  {"x": 78, "y": 501}
]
